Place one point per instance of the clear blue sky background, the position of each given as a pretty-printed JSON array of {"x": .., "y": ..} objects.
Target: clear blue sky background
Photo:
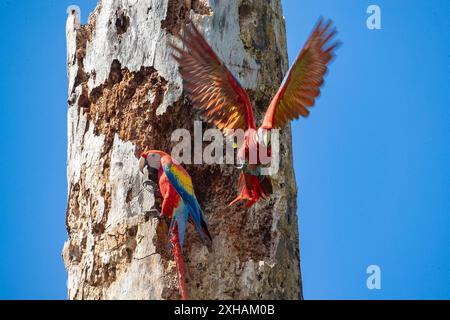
[{"x": 372, "y": 161}]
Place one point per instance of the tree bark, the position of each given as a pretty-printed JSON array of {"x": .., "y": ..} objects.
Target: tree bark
[{"x": 126, "y": 96}]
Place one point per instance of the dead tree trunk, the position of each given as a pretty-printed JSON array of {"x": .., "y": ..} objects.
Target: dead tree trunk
[{"x": 125, "y": 96}]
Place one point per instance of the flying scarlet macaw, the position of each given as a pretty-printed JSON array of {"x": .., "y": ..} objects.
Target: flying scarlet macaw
[
  {"x": 179, "y": 204},
  {"x": 217, "y": 93}
]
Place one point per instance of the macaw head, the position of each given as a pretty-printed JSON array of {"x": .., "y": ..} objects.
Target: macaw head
[{"x": 150, "y": 159}]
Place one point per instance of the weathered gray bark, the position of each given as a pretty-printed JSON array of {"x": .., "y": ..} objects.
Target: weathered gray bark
[{"x": 125, "y": 96}]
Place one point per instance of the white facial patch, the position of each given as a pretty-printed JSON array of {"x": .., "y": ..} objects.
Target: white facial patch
[{"x": 154, "y": 160}]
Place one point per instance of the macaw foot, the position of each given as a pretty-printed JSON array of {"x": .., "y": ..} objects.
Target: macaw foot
[
  {"x": 153, "y": 213},
  {"x": 253, "y": 188},
  {"x": 248, "y": 201},
  {"x": 149, "y": 184}
]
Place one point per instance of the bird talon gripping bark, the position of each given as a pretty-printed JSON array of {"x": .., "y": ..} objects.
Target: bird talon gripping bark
[
  {"x": 149, "y": 185},
  {"x": 153, "y": 213}
]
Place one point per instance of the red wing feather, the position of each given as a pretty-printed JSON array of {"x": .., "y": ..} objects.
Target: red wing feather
[
  {"x": 302, "y": 84},
  {"x": 210, "y": 85}
]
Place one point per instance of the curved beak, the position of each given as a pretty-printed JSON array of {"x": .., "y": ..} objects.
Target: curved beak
[
  {"x": 143, "y": 160},
  {"x": 142, "y": 164}
]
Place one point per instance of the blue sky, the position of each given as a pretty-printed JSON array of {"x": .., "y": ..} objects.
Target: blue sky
[{"x": 371, "y": 161}]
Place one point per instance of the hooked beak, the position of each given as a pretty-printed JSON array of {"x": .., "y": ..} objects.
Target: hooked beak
[{"x": 142, "y": 164}]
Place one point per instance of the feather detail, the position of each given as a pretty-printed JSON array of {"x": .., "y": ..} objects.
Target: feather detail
[
  {"x": 301, "y": 86},
  {"x": 182, "y": 183},
  {"x": 210, "y": 85},
  {"x": 181, "y": 270}
]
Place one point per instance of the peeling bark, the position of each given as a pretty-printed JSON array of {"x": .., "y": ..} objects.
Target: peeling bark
[{"x": 125, "y": 96}]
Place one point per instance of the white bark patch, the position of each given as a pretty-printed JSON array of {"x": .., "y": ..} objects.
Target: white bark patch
[
  {"x": 127, "y": 285},
  {"x": 84, "y": 147},
  {"x": 72, "y": 24},
  {"x": 142, "y": 45},
  {"x": 125, "y": 179}
]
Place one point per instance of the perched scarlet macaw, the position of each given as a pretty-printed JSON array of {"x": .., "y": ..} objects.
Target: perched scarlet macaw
[
  {"x": 217, "y": 93},
  {"x": 179, "y": 204}
]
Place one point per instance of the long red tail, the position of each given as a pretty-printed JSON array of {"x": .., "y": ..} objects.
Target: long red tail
[
  {"x": 181, "y": 270},
  {"x": 253, "y": 188}
]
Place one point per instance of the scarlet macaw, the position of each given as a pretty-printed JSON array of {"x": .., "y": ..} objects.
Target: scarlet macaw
[
  {"x": 217, "y": 93},
  {"x": 179, "y": 204}
]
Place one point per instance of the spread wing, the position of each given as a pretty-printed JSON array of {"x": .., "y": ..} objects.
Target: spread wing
[
  {"x": 210, "y": 85},
  {"x": 182, "y": 183},
  {"x": 302, "y": 84}
]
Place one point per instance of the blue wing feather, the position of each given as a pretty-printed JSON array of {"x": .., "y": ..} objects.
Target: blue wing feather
[
  {"x": 180, "y": 216},
  {"x": 189, "y": 200}
]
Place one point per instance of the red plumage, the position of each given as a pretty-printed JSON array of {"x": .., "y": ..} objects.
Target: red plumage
[
  {"x": 179, "y": 204},
  {"x": 181, "y": 270},
  {"x": 171, "y": 201},
  {"x": 222, "y": 100}
]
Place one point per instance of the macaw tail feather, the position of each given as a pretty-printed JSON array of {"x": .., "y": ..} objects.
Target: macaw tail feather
[
  {"x": 205, "y": 230},
  {"x": 253, "y": 188},
  {"x": 179, "y": 221},
  {"x": 181, "y": 270}
]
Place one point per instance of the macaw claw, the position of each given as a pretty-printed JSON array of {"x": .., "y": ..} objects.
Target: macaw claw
[
  {"x": 149, "y": 184},
  {"x": 153, "y": 213}
]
